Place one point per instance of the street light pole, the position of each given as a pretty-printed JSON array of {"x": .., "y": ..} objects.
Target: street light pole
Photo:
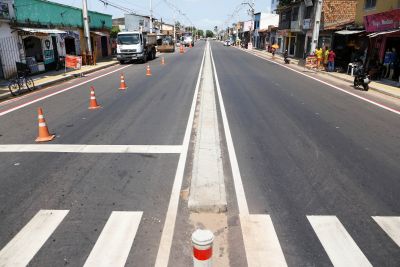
[
  {"x": 86, "y": 31},
  {"x": 151, "y": 16}
]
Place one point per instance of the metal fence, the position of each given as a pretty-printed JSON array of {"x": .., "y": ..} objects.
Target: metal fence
[{"x": 9, "y": 54}]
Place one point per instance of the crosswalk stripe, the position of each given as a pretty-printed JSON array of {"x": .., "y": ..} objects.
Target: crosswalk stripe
[
  {"x": 391, "y": 225},
  {"x": 23, "y": 247},
  {"x": 116, "y": 239},
  {"x": 261, "y": 242},
  {"x": 337, "y": 242}
]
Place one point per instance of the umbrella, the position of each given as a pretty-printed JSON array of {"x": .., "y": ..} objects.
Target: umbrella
[{"x": 276, "y": 46}]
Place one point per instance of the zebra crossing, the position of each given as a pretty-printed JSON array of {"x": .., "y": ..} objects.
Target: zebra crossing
[{"x": 117, "y": 237}]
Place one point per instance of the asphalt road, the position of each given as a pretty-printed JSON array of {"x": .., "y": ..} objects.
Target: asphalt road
[
  {"x": 153, "y": 111},
  {"x": 305, "y": 149}
]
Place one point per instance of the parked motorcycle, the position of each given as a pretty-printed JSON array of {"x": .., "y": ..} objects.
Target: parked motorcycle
[
  {"x": 361, "y": 78},
  {"x": 286, "y": 57}
]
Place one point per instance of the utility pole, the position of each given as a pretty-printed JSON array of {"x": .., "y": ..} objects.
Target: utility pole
[
  {"x": 317, "y": 25},
  {"x": 151, "y": 16},
  {"x": 86, "y": 31},
  {"x": 251, "y": 10}
]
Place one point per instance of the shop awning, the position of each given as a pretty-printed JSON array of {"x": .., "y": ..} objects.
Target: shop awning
[
  {"x": 99, "y": 33},
  {"x": 348, "y": 32},
  {"x": 384, "y": 32},
  {"x": 40, "y": 30}
]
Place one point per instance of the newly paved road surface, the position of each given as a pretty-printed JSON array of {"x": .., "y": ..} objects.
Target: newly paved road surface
[
  {"x": 321, "y": 163},
  {"x": 305, "y": 149}
]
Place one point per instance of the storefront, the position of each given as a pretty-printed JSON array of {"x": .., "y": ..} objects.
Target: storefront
[
  {"x": 384, "y": 37},
  {"x": 40, "y": 50}
]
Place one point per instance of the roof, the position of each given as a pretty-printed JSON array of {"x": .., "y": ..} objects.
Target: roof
[{"x": 72, "y": 7}]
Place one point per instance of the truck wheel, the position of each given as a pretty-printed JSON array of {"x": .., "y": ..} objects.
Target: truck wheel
[
  {"x": 144, "y": 58},
  {"x": 122, "y": 62}
]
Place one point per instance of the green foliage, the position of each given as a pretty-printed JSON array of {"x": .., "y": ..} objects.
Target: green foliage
[
  {"x": 200, "y": 32},
  {"x": 209, "y": 33},
  {"x": 114, "y": 31}
]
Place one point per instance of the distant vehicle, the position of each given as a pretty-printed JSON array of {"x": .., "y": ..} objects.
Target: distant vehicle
[
  {"x": 187, "y": 39},
  {"x": 165, "y": 43},
  {"x": 136, "y": 46},
  {"x": 227, "y": 43}
]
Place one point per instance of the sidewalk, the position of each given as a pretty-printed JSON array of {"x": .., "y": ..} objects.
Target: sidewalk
[
  {"x": 386, "y": 87},
  {"x": 52, "y": 77}
]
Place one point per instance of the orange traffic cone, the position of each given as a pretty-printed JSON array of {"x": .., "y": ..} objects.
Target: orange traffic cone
[
  {"x": 190, "y": 45},
  {"x": 181, "y": 49},
  {"x": 44, "y": 134},
  {"x": 122, "y": 85},
  {"x": 93, "y": 103},
  {"x": 148, "y": 71},
  {"x": 162, "y": 61}
]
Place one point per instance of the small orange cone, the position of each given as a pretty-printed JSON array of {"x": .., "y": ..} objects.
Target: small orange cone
[
  {"x": 148, "y": 71},
  {"x": 93, "y": 102},
  {"x": 122, "y": 85},
  {"x": 44, "y": 135},
  {"x": 190, "y": 45},
  {"x": 181, "y": 49},
  {"x": 162, "y": 61}
]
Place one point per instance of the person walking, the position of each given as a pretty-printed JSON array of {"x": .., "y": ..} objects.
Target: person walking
[{"x": 331, "y": 60}]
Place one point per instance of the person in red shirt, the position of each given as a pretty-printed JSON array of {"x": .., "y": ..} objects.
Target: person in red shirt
[{"x": 331, "y": 61}]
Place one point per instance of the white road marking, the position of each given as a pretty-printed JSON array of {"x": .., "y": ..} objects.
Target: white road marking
[
  {"x": 23, "y": 247},
  {"x": 237, "y": 179},
  {"x": 260, "y": 240},
  {"x": 331, "y": 85},
  {"x": 57, "y": 92},
  {"x": 59, "y": 148},
  {"x": 391, "y": 225},
  {"x": 115, "y": 241},
  {"x": 338, "y": 244},
  {"x": 263, "y": 248},
  {"x": 164, "y": 248}
]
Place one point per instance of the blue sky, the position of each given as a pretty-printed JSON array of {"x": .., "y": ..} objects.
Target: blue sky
[{"x": 205, "y": 14}]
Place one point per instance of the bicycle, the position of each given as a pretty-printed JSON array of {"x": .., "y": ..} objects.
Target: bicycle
[{"x": 21, "y": 81}]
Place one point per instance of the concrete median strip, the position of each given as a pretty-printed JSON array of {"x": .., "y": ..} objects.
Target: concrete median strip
[{"x": 207, "y": 190}]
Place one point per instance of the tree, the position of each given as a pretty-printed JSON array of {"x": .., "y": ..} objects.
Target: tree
[
  {"x": 200, "y": 33},
  {"x": 114, "y": 31},
  {"x": 209, "y": 33}
]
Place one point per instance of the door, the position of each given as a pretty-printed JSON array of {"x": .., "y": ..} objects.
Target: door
[
  {"x": 55, "y": 50},
  {"x": 104, "y": 46},
  {"x": 1, "y": 67},
  {"x": 292, "y": 45}
]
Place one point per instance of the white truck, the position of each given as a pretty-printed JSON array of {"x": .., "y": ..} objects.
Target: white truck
[{"x": 136, "y": 46}]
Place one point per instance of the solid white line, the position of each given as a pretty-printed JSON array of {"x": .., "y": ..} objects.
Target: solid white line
[
  {"x": 59, "y": 148},
  {"x": 331, "y": 85},
  {"x": 23, "y": 247},
  {"x": 58, "y": 92},
  {"x": 391, "y": 225},
  {"x": 263, "y": 248},
  {"x": 338, "y": 244},
  {"x": 237, "y": 179},
  {"x": 260, "y": 240},
  {"x": 164, "y": 248},
  {"x": 115, "y": 241}
]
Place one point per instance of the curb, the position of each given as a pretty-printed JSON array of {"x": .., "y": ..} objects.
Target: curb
[
  {"x": 326, "y": 73},
  {"x": 62, "y": 79}
]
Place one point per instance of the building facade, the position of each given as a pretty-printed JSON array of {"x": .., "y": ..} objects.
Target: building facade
[{"x": 40, "y": 32}]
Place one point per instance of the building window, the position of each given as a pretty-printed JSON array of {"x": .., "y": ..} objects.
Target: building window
[
  {"x": 308, "y": 13},
  {"x": 295, "y": 14},
  {"x": 370, "y": 4}
]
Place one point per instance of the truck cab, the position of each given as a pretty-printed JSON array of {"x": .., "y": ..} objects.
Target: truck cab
[{"x": 135, "y": 45}]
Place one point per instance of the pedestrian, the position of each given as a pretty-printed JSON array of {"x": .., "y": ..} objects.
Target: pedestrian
[
  {"x": 331, "y": 60},
  {"x": 326, "y": 54},
  {"x": 318, "y": 53},
  {"x": 273, "y": 52}
]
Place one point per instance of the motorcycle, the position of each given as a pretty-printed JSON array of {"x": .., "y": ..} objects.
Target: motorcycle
[
  {"x": 286, "y": 57},
  {"x": 361, "y": 78}
]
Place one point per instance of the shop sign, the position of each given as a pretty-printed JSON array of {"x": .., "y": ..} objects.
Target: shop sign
[
  {"x": 382, "y": 21},
  {"x": 4, "y": 11},
  {"x": 283, "y": 32},
  {"x": 48, "y": 53}
]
